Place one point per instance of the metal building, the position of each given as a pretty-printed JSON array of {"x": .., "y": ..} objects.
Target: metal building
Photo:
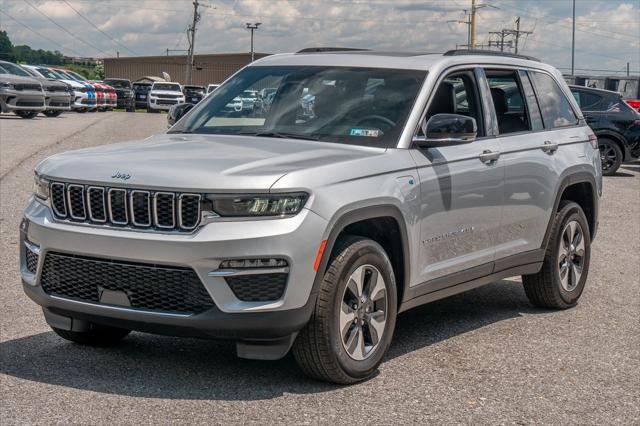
[{"x": 214, "y": 68}]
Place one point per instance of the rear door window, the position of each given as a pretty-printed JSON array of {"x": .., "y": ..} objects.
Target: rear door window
[
  {"x": 508, "y": 101},
  {"x": 589, "y": 101},
  {"x": 554, "y": 105}
]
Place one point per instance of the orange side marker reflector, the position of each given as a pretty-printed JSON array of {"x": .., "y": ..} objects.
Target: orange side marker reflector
[{"x": 323, "y": 245}]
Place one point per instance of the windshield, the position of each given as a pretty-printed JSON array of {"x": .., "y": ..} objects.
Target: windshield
[
  {"x": 359, "y": 106},
  {"x": 49, "y": 73},
  {"x": 118, "y": 84},
  {"x": 166, "y": 86},
  {"x": 75, "y": 75},
  {"x": 10, "y": 68}
]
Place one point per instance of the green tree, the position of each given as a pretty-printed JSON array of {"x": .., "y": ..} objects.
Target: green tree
[{"x": 6, "y": 47}]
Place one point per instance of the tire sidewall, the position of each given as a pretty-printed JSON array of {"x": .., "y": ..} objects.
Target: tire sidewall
[
  {"x": 571, "y": 212},
  {"x": 372, "y": 254},
  {"x": 619, "y": 154}
]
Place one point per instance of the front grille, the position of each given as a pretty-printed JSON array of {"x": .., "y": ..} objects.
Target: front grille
[
  {"x": 162, "y": 211},
  {"x": 88, "y": 101},
  {"x": 169, "y": 96},
  {"x": 31, "y": 260},
  {"x": 30, "y": 103},
  {"x": 166, "y": 101},
  {"x": 149, "y": 287},
  {"x": 258, "y": 288},
  {"x": 58, "y": 104},
  {"x": 27, "y": 86}
]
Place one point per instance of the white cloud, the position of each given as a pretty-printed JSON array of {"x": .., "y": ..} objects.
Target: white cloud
[{"x": 607, "y": 36}]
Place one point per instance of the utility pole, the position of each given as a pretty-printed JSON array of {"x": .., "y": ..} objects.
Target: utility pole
[
  {"x": 515, "y": 33},
  {"x": 472, "y": 22},
  {"x": 573, "y": 39},
  {"x": 192, "y": 40},
  {"x": 253, "y": 27},
  {"x": 501, "y": 44}
]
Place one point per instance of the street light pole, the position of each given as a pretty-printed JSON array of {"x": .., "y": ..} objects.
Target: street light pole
[
  {"x": 252, "y": 27},
  {"x": 573, "y": 39}
]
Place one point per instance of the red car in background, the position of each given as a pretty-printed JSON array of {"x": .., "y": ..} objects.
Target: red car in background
[
  {"x": 112, "y": 97},
  {"x": 101, "y": 95}
]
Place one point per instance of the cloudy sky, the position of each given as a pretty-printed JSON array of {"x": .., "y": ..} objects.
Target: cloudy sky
[{"x": 607, "y": 31}]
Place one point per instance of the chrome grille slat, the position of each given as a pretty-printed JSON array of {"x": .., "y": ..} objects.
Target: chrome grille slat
[
  {"x": 58, "y": 199},
  {"x": 76, "y": 202},
  {"x": 140, "y": 205},
  {"x": 161, "y": 211}
]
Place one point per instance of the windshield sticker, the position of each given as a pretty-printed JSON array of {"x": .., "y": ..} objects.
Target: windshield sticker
[{"x": 368, "y": 133}]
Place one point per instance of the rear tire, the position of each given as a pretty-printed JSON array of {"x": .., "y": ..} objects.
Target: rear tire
[
  {"x": 348, "y": 334},
  {"x": 560, "y": 282},
  {"x": 26, "y": 114},
  {"x": 52, "y": 113},
  {"x": 611, "y": 156},
  {"x": 97, "y": 335}
]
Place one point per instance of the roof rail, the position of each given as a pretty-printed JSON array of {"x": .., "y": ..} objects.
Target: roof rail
[
  {"x": 330, "y": 49},
  {"x": 460, "y": 52}
]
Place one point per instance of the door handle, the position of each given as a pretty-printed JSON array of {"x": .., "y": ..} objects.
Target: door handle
[
  {"x": 489, "y": 157},
  {"x": 549, "y": 147}
]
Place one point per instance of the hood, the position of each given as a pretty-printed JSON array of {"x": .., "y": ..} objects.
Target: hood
[
  {"x": 74, "y": 84},
  {"x": 10, "y": 78},
  {"x": 199, "y": 163},
  {"x": 166, "y": 92},
  {"x": 50, "y": 84}
]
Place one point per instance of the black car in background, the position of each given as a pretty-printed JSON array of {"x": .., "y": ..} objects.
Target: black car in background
[
  {"x": 615, "y": 123},
  {"x": 124, "y": 91},
  {"x": 141, "y": 93},
  {"x": 194, "y": 94}
]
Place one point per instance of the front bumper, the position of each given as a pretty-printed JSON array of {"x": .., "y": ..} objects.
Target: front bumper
[
  {"x": 295, "y": 239},
  {"x": 82, "y": 100},
  {"x": 164, "y": 104},
  {"x": 21, "y": 100},
  {"x": 58, "y": 101},
  {"x": 124, "y": 102}
]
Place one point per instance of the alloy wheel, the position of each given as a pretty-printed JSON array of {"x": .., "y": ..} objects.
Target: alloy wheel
[
  {"x": 363, "y": 312},
  {"x": 607, "y": 156},
  {"x": 571, "y": 255}
]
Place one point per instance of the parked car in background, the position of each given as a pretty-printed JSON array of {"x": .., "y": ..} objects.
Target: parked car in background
[
  {"x": 57, "y": 94},
  {"x": 141, "y": 93},
  {"x": 112, "y": 97},
  {"x": 163, "y": 95},
  {"x": 194, "y": 94},
  {"x": 101, "y": 96},
  {"x": 614, "y": 122},
  {"x": 20, "y": 94},
  {"x": 125, "y": 91},
  {"x": 81, "y": 95},
  {"x": 85, "y": 95},
  {"x": 212, "y": 87}
]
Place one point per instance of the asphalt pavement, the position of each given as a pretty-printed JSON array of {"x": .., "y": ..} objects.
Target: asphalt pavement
[{"x": 483, "y": 357}]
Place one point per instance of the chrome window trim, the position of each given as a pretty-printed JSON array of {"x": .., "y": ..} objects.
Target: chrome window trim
[
  {"x": 126, "y": 210},
  {"x": 64, "y": 199},
  {"x": 131, "y": 207},
  {"x": 104, "y": 205},
  {"x": 70, "y": 208},
  {"x": 198, "y": 214},
  {"x": 155, "y": 209},
  {"x": 247, "y": 271}
]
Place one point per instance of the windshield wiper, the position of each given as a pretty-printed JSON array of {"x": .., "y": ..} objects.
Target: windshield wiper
[{"x": 282, "y": 135}]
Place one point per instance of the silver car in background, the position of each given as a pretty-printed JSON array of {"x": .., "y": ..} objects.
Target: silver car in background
[
  {"x": 20, "y": 94},
  {"x": 58, "y": 95}
]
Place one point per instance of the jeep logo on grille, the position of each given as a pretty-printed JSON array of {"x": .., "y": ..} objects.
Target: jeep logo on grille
[{"x": 123, "y": 176}]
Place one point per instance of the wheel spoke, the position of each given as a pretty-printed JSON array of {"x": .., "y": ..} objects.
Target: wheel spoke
[
  {"x": 378, "y": 289},
  {"x": 347, "y": 315},
  {"x": 575, "y": 276},
  {"x": 564, "y": 274},
  {"x": 357, "y": 279},
  {"x": 353, "y": 341},
  {"x": 375, "y": 323},
  {"x": 370, "y": 277}
]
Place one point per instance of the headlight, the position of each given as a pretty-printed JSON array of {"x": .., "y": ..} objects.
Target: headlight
[
  {"x": 255, "y": 205},
  {"x": 40, "y": 188}
]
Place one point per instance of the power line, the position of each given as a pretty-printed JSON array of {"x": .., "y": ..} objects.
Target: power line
[
  {"x": 96, "y": 27},
  {"x": 41, "y": 35},
  {"x": 63, "y": 28}
]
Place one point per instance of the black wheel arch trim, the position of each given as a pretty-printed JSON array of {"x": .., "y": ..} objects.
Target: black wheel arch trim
[
  {"x": 568, "y": 178},
  {"x": 617, "y": 137},
  {"x": 357, "y": 215}
]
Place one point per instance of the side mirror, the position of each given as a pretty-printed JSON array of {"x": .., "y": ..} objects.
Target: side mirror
[
  {"x": 176, "y": 112},
  {"x": 447, "y": 130}
]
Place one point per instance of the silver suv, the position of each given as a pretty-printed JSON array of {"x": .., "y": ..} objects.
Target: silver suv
[{"x": 406, "y": 178}]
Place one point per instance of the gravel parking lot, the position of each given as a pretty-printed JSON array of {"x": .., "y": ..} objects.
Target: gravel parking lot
[{"x": 484, "y": 357}]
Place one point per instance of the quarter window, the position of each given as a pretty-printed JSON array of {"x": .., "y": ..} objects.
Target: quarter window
[{"x": 554, "y": 105}]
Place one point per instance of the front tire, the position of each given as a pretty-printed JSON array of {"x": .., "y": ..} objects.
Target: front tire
[
  {"x": 352, "y": 324},
  {"x": 26, "y": 114},
  {"x": 96, "y": 335},
  {"x": 560, "y": 282},
  {"x": 610, "y": 155},
  {"x": 52, "y": 114}
]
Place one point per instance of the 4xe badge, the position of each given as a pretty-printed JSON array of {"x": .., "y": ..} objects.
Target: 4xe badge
[{"x": 123, "y": 176}]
